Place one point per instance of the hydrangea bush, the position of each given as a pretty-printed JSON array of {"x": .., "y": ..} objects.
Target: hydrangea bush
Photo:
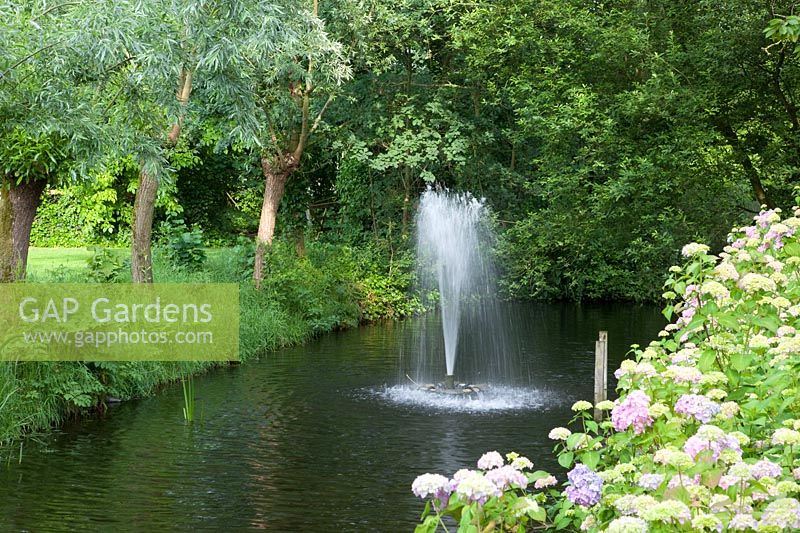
[
  {"x": 705, "y": 434},
  {"x": 502, "y": 494}
]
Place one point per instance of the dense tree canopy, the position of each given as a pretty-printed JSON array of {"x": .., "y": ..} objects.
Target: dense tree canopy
[{"x": 604, "y": 135}]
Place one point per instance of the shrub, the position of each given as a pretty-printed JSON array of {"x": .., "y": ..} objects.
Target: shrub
[
  {"x": 706, "y": 431},
  {"x": 105, "y": 266},
  {"x": 184, "y": 246},
  {"x": 493, "y": 497}
]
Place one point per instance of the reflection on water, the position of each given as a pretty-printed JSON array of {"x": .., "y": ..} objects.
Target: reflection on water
[{"x": 310, "y": 438}]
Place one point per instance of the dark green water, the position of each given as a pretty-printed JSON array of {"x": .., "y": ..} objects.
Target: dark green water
[{"x": 307, "y": 439}]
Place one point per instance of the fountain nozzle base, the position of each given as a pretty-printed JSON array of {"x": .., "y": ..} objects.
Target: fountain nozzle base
[{"x": 449, "y": 382}]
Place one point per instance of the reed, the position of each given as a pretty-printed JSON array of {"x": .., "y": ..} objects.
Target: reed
[{"x": 188, "y": 398}]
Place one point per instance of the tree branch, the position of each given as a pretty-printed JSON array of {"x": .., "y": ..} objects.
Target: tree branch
[
  {"x": 320, "y": 114},
  {"x": 27, "y": 57},
  {"x": 183, "y": 94},
  {"x": 53, "y": 8},
  {"x": 788, "y": 105}
]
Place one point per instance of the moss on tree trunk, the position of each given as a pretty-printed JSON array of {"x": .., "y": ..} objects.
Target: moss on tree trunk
[{"x": 6, "y": 239}]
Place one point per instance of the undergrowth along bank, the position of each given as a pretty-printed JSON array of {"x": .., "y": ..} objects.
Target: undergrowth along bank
[{"x": 331, "y": 287}]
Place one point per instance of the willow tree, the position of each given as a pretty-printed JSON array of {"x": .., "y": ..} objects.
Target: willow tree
[
  {"x": 249, "y": 66},
  {"x": 50, "y": 127},
  {"x": 289, "y": 96},
  {"x": 21, "y": 80},
  {"x": 163, "y": 73}
]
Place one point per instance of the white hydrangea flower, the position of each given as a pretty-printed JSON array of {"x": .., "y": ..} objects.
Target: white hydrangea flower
[
  {"x": 605, "y": 405},
  {"x": 559, "y": 433},
  {"x": 752, "y": 282},
  {"x": 490, "y": 460},
  {"x": 759, "y": 342},
  {"x": 716, "y": 394},
  {"x": 726, "y": 271},
  {"x": 694, "y": 248},
  {"x": 581, "y": 405},
  {"x": 715, "y": 289},
  {"x": 786, "y": 437},
  {"x": 627, "y": 524}
]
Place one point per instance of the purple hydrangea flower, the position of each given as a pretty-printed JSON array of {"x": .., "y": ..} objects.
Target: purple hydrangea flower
[
  {"x": 585, "y": 486},
  {"x": 697, "y": 406},
  {"x": 651, "y": 481},
  {"x": 781, "y": 514},
  {"x": 765, "y": 468},
  {"x": 632, "y": 411},
  {"x": 752, "y": 231},
  {"x": 765, "y": 218},
  {"x": 684, "y": 481}
]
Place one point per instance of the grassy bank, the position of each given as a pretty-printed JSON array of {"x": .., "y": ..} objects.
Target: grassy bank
[{"x": 332, "y": 287}]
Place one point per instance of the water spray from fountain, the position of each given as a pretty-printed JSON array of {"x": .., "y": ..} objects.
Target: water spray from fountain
[
  {"x": 453, "y": 241},
  {"x": 466, "y": 353}
]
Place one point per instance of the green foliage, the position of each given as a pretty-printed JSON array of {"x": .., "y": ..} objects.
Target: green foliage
[
  {"x": 184, "y": 246},
  {"x": 242, "y": 258},
  {"x": 31, "y": 156},
  {"x": 636, "y": 146},
  {"x": 220, "y": 195},
  {"x": 94, "y": 212},
  {"x": 383, "y": 293},
  {"x": 105, "y": 266},
  {"x": 422, "y": 138},
  {"x": 784, "y": 29},
  {"x": 58, "y": 223},
  {"x": 318, "y": 288}
]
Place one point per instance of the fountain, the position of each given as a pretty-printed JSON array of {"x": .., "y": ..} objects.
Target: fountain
[
  {"x": 466, "y": 353},
  {"x": 453, "y": 240}
]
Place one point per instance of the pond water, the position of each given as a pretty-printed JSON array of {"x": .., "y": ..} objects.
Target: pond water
[{"x": 309, "y": 438}]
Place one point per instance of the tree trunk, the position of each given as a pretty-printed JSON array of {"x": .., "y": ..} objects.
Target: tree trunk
[
  {"x": 275, "y": 177},
  {"x": 145, "y": 203},
  {"x": 749, "y": 170},
  {"x": 755, "y": 183},
  {"x": 6, "y": 239},
  {"x": 406, "y": 201},
  {"x": 25, "y": 201},
  {"x": 143, "y": 208},
  {"x": 300, "y": 243}
]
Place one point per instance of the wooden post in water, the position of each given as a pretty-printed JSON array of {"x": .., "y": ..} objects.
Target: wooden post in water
[{"x": 600, "y": 372}]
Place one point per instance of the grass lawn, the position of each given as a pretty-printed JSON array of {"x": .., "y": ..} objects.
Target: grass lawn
[{"x": 43, "y": 260}]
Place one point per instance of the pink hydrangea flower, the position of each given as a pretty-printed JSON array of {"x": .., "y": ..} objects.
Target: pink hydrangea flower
[
  {"x": 490, "y": 460},
  {"x": 506, "y": 476},
  {"x": 632, "y": 411},
  {"x": 696, "y": 444}
]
